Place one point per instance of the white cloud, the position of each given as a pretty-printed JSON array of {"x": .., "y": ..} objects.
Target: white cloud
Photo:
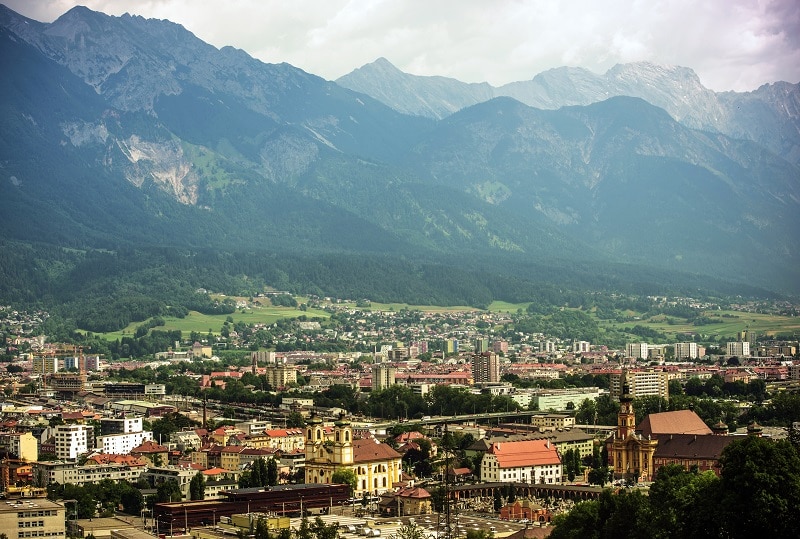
[{"x": 735, "y": 44}]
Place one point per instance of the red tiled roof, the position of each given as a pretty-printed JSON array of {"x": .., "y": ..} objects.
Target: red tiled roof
[
  {"x": 215, "y": 471},
  {"x": 408, "y": 446},
  {"x": 281, "y": 433},
  {"x": 691, "y": 446},
  {"x": 105, "y": 458},
  {"x": 408, "y": 436},
  {"x": 414, "y": 492},
  {"x": 149, "y": 446},
  {"x": 370, "y": 450},
  {"x": 525, "y": 453},
  {"x": 677, "y": 422}
]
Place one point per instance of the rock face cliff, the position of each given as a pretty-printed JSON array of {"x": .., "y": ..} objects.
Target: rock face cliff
[{"x": 127, "y": 129}]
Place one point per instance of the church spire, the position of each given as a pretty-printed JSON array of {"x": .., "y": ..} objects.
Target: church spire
[{"x": 626, "y": 419}]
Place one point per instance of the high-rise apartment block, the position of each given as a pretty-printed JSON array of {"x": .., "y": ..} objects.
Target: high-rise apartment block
[
  {"x": 73, "y": 440},
  {"x": 639, "y": 350},
  {"x": 485, "y": 368},
  {"x": 738, "y": 348},
  {"x": 686, "y": 350},
  {"x": 383, "y": 376},
  {"x": 581, "y": 347},
  {"x": 481, "y": 346},
  {"x": 451, "y": 346},
  {"x": 641, "y": 384},
  {"x": 500, "y": 346}
]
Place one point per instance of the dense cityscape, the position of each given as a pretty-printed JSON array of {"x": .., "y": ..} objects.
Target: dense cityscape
[{"x": 405, "y": 421}]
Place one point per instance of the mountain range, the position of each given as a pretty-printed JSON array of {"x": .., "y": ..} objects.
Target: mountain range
[{"x": 132, "y": 131}]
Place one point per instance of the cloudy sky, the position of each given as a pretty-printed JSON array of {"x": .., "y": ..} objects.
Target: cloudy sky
[{"x": 731, "y": 44}]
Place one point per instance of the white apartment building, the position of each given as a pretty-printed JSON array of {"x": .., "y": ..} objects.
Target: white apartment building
[
  {"x": 685, "y": 350},
  {"x": 553, "y": 421},
  {"x": 642, "y": 384},
  {"x": 738, "y": 348},
  {"x": 121, "y": 444},
  {"x": 120, "y": 425},
  {"x": 639, "y": 350},
  {"x": 73, "y": 440},
  {"x": 254, "y": 426},
  {"x": 581, "y": 347},
  {"x": 560, "y": 399},
  {"x": 62, "y": 473},
  {"x": 38, "y": 517}
]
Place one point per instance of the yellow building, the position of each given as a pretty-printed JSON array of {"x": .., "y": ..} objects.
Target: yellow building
[
  {"x": 281, "y": 376},
  {"x": 21, "y": 444},
  {"x": 44, "y": 364},
  {"x": 287, "y": 440},
  {"x": 32, "y": 517},
  {"x": 376, "y": 465},
  {"x": 630, "y": 454}
]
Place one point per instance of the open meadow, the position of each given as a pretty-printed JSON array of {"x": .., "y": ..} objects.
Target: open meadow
[
  {"x": 203, "y": 323},
  {"x": 725, "y": 323}
]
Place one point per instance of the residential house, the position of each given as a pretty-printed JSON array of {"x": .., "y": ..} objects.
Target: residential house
[{"x": 155, "y": 454}]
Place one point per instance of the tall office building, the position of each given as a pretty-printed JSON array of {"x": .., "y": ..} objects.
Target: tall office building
[{"x": 485, "y": 368}]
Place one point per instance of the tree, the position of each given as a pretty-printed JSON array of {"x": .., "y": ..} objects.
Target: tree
[
  {"x": 272, "y": 472},
  {"x": 410, "y": 531},
  {"x": 197, "y": 487},
  {"x": 682, "y": 503},
  {"x": 262, "y": 529},
  {"x": 599, "y": 476},
  {"x": 345, "y": 476},
  {"x": 131, "y": 499},
  {"x": 583, "y": 521},
  {"x": 320, "y": 530},
  {"x": 761, "y": 485},
  {"x": 295, "y": 421},
  {"x": 587, "y": 412},
  {"x": 675, "y": 387},
  {"x": 569, "y": 464},
  {"x": 423, "y": 468},
  {"x": 169, "y": 491}
]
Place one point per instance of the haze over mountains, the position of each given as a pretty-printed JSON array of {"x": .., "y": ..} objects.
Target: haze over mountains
[
  {"x": 127, "y": 131},
  {"x": 767, "y": 116}
]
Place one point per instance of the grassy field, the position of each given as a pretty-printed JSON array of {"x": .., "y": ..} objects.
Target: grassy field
[
  {"x": 202, "y": 323},
  {"x": 731, "y": 322}
]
